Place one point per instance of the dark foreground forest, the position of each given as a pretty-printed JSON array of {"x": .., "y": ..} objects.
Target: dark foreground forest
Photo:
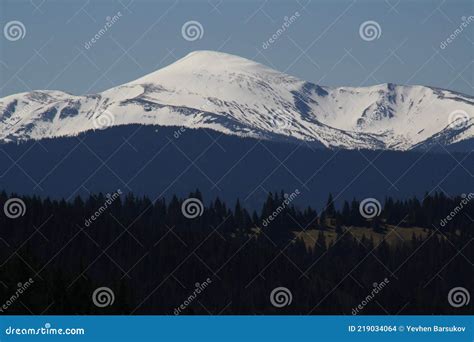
[{"x": 119, "y": 254}]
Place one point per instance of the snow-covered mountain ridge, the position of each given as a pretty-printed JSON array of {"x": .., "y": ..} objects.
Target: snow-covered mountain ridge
[{"x": 234, "y": 95}]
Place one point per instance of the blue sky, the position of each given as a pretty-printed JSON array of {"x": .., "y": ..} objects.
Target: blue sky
[{"x": 322, "y": 45}]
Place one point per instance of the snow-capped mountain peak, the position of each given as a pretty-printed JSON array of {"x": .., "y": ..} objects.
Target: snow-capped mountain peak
[{"x": 234, "y": 95}]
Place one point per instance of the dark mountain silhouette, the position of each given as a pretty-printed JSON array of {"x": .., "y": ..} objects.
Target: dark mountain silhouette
[{"x": 159, "y": 162}]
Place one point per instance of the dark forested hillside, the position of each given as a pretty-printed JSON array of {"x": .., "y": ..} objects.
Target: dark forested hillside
[
  {"x": 162, "y": 161},
  {"x": 155, "y": 256}
]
